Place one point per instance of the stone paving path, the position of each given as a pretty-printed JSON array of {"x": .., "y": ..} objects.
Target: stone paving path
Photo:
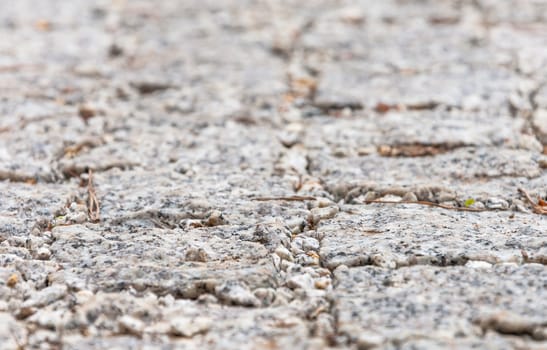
[{"x": 207, "y": 174}]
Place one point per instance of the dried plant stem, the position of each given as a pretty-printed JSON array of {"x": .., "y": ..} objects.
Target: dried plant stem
[
  {"x": 539, "y": 209},
  {"x": 290, "y": 198},
  {"x": 92, "y": 201}
]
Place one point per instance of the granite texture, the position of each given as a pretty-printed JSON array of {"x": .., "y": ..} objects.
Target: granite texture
[{"x": 273, "y": 174}]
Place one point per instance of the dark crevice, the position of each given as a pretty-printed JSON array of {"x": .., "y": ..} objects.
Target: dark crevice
[
  {"x": 417, "y": 149},
  {"x": 334, "y": 107},
  {"x": 77, "y": 170},
  {"x": 146, "y": 88},
  {"x": 15, "y": 176},
  {"x": 440, "y": 260}
]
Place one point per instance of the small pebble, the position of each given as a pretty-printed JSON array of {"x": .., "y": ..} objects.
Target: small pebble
[
  {"x": 370, "y": 196},
  {"x": 187, "y": 326},
  {"x": 284, "y": 253},
  {"x": 322, "y": 283},
  {"x": 236, "y": 293},
  {"x": 318, "y": 214},
  {"x": 131, "y": 325},
  {"x": 410, "y": 197},
  {"x": 496, "y": 203},
  {"x": 476, "y": 264},
  {"x": 43, "y": 254},
  {"x": 303, "y": 281}
]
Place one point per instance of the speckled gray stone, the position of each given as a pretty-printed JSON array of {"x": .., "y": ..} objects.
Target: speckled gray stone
[
  {"x": 453, "y": 303},
  {"x": 199, "y": 174}
]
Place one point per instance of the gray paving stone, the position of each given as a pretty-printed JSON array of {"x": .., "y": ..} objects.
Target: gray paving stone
[
  {"x": 384, "y": 236},
  {"x": 199, "y": 174},
  {"x": 451, "y": 303}
]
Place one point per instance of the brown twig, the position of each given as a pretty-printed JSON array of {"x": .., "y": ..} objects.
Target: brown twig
[
  {"x": 92, "y": 202},
  {"x": 73, "y": 150},
  {"x": 431, "y": 204},
  {"x": 538, "y": 208},
  {"x": 290, "y": 198}
]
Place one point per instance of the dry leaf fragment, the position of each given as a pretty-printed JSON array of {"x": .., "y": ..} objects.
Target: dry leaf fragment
[
  {"x": 383, "y": 107},
  {"x": 412, "y": 150},
  {"x": 540, "y": 207},
  {"x": 73, "y": 150},
  {"x": 12, "y": 280},
  {"x": 43, "y": 25},
  {"x": 313, "y": 254},
  {"x": 86, "y": 112},
  {"x": 305, "y": 83}
]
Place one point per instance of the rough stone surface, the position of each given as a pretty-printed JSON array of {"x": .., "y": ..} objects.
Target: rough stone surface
[
  {"x": 207, "y": 174},
  {"x": 448, "y": 303}
]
